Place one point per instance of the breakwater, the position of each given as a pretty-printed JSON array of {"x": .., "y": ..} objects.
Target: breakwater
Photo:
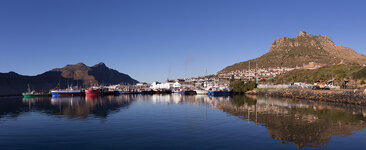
[{"x": 338, "y": 96}]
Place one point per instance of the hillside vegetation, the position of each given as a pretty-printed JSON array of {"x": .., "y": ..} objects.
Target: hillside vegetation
[
  {"x": 239, "y": 86},
  {"x": 360, "y": 74},
  {"x": 336, "y": 73}
]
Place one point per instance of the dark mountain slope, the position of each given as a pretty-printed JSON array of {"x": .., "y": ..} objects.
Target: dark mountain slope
[
  {"x": 105, "y": 75},
  {"x": 78, "y": 74}
]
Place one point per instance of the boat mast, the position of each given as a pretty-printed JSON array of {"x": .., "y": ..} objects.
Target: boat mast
[{"x": 29, "y": 90}]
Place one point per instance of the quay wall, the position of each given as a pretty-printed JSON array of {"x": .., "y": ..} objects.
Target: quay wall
[{"x": 338, "y": 95}]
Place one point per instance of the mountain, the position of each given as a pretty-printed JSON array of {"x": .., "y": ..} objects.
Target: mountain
[
  {"x": 304, "y": 48},
  {"x": 78, "y": 74}
]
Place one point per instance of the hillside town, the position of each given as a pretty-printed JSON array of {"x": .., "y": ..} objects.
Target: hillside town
[{"x": 263, "y": 73}]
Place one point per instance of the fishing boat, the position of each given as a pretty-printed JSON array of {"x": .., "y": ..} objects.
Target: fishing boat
[
  {"x": 92, "y": 92},
  {"x": 107, "y": 91},
  {"x": 147, "y": 92},
  {"x": 219, "y": 92},
  {"x": 190, "y": 92},
  {"x": 70, "y": 91},
  {"x": 34, "y": 94},
  {"x": 163, "y": 91},
  {"x": 118, "y": 92},
  {"x": 187, "y": 92},
  {"x": 201, "y": 92},
  {"x": 176, "y": 90},
  {"x": 30, "y": 94}
]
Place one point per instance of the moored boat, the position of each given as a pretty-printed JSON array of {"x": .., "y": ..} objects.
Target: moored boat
[
  {"x": 146, "y": 91},
  {"x": 190, "y": 92},
  {"x": 201, "y": 92},
  {"x": 34, "y": 94},
  {"x": 67, "y": 92},
  {"x": 92, "y": 92},
  {"x": 118, "y": 92},
  {"x": 30, "y": 94},
  {"x": 187, "y": 92},
  {"x": 219, "y": 93},
  {"x": 107, "y": 91},
  {"x": 163, "y": 91}
]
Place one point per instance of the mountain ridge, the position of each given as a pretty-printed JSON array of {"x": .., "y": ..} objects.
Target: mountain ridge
[
  {"x": 76, "y": 74},
  {"x": 300, "y": 50}
]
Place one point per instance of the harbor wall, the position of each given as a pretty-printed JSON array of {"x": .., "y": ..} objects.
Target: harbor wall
[{"x": 338, "y": 96}]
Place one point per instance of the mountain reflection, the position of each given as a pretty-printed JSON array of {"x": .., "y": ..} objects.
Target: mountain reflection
[
  {"x": 80, "y": 107},
  {"x": 304, "y": 123},
  {"x": 72, "y": 107}
]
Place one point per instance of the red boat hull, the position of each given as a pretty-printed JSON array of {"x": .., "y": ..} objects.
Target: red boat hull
[{"x": 92, "y": 92}]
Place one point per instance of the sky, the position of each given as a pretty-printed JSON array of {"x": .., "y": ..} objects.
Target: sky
[{"x": 152, "y": 40}]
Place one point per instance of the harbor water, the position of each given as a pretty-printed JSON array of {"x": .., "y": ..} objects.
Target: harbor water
[{"x": 179, "y": 122}]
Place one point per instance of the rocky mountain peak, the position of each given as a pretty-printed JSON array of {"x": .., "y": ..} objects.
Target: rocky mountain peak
[
  {"x": 13, "y": 73},
  {"x": 101, "y": 64},
  {"x": 80, "y": 64},
  {"x": 303, "y": 40},
  {"x": 300, "y": 50},
  {"x": 303, "y": 33}
]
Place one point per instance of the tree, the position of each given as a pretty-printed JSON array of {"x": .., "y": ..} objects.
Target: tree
[{"x": 239, "y": 86}]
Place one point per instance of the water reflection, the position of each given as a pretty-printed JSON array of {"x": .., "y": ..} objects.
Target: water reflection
[
  {"x": 72, "y": 107},
  {"x": 304, "y": 123}
]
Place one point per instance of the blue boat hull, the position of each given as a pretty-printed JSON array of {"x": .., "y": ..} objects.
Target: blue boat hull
[
  {"x": 118, "y": 92},
  {"x": 219, "y": 93},
  {"x": 66, "y": 94}
]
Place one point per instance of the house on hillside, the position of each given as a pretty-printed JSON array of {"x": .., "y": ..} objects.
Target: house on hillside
[{"x": 314, "y": 65}]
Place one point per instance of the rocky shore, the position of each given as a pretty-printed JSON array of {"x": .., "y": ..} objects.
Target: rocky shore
[{"x": 357, "y": 97}]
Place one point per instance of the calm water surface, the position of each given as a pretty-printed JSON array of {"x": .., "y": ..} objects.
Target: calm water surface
[{"x": 179, "y": 122}]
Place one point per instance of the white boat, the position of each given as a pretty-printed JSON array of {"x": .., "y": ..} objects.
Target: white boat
[
  {"x": 67, "y": 92},
  {"x": 201, "y": 92}
]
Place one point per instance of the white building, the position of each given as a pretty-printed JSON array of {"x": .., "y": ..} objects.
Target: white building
[{"x": 166, "y": 85}]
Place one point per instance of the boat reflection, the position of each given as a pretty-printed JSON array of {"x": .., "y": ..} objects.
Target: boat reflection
[{"x": 77, "y": 107}]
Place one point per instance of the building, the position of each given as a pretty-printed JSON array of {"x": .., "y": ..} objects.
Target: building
[{"x": 314, "y": 65}]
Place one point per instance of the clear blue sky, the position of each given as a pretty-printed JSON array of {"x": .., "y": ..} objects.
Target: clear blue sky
[{"x": 154, "y": 39}]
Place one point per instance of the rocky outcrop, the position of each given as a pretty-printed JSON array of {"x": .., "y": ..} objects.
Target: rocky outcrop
[
  {"x": 304, "y": 48},
  {"x": 338, "y": 96},
  {"x": 78, "y": 71},
  {"x": 319, "y": 42}
]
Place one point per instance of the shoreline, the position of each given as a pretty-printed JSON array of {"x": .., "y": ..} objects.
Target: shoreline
[{"x": 357, "y": 97}]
